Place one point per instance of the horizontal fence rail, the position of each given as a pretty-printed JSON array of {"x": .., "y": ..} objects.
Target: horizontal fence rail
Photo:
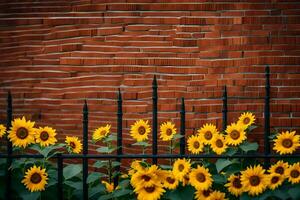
[{"x": 85, "y": 156}]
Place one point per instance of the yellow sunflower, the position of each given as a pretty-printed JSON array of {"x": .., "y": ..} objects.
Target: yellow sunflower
[
  {"x": 167, "y": 131},
  {"x": 293, "y": 173},
  {"x": 234, "y": 185},
  {"x": 140, "y": 130},
  {"x": 235, "y": 134},
  {"x": 254, "y": 180},
  {"x": 74, "y": 144},
  {"x": 286, "y": 142},
  {"x": 181, "y": 167},
  {"x": 202, "y": 194},
  {"x": 45, "y": 136},
  {"x": 207, "y": 133},
  {"x": 170, "y": 182},
  {"x": 22, "y": 133},
  {"x": 218, "y": 144},
  {"x": 108, "y": 186},
  {"x": 194, "y": 144},
  {"x": 146, "y": 177},
  {"x": 152, "y": 192},
  {"x": 275, "y": 180},
  {"x": 246, "y": 119},
  {"x": 279, "y": 168},
  {"x": 101, "y": 133},
  {"x": 216, "y": 195},
  {"x": 35, "y": 179},
  {"x": 200, "y": 178},
  {"x": 2, "y": 130}
]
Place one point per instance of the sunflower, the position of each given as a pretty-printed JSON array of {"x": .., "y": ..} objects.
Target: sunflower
[
  {"x": 22, "y": 132},
  {"x": 286, "y": 142},
  {"x": 275, "y": 180},
  {"x": 218, "y": 144},
  {"x": 2, "y": 130},
  {"x": 35, "y": 179},
  {"x": 279, "y": 168},
  {"x": 74, "y": 144},
  {"x": 140, "y": 130},
  {"x": 200, "y": 178},
  {"x": 246, "y": 119},
  {"x": 293, "y": 173},
  {"x": 234, "y": 185},
  {"x": 207, "y": 133},
  {"x": 254, "y": 180},
  {"x": 152, "y": 192},
  {"x": 45, "y": 136},
  {"x": 108, "y": 186},
  {"x": 194, "y": 144},
  {"x": 235, "y": 134},
  {"x": 202, "y": 194},
  {"x": 181, "y": 167},
  {"x": 170, "y": 182},
  {"x": 101, "y": 133},
  {"x": 167, "y": 131},
  {"x": 146, "y": 177},
  {"x": 216, "y": 195}
]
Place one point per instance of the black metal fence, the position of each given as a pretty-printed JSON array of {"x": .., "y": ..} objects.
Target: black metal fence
[{"x": 9, "y": 156}]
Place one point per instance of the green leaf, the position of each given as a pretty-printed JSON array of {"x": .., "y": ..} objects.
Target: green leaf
[
  {"x": 167, "y": 167},
  {"x": 283, "y": 194},
  {"x": 96, "y": 190},
  {"x": 124, "y": 183},
  {"x": 145, "y": 144},
  {"x": 245, "y": 196},
  {"x": 222, "y": 163},
  {"x": 115, "y": 164},
  {"x": 73, "y": 184},
  {"x": 182, "y": 193},
  {"x": 30, "y": 196},
  {"x": 231, "y": 151},
  {"x": 110, "y": 138},
  {"x": 219, "y": 179},
  {"x": 105, "y": 150},
  {"x": 45, "y": 152},
  {"x": 177, "y": 136},
  {"x": 100, "y": 163},
  {"x": 106, "y": 196},
  {"x": 122, "y": 192},
  {"x": 294, "y": 192},
  {"x": 247, "y": 146},
  {"x": 92, "y": 177},
  {"x": 71, "y": 170},
  {"x": 251, "y": 128}
]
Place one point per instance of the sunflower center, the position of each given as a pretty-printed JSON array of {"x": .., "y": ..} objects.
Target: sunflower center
[
  {"x": 170, "y": 180},
  {"x": 103, "y": 132},
  {"x": 207, "y": 135},
  {"x": 73, "y": 145},
  {"x": 169, "y": 132},
  {"x": 196, "y": 144},
  {"x": 237, "y": 183},
  {"x": 246, "y": 120},
  {"x": 295, "y": 173},
  {"x": 235, "y": 134},
  {"x": 287, "y": 143},
  {"x": 35, "y": 178},
  {"x": 150, "y": 189},
  {"x": 206, "y": 193},
  {"x": 146, "y": 178},
  {"x": 22, "y": 133},
  {"x": 279, "y": 170},
  {"x": 141, "y": 130},
  {"x": 219, "y": 143},
  {"x": 254, "y": 180},
  {"x": 44, "y": 135},
  {"x": 180, "y": 167},
  {"x": 200, "y": 177},
  {"x": 274, "y": 179}
]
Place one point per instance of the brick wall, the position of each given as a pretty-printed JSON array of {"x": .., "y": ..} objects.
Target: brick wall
[{"x": 55, "y": 54}]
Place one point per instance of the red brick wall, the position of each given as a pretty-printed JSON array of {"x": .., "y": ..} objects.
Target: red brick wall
[{"x": 55, "y": 54}]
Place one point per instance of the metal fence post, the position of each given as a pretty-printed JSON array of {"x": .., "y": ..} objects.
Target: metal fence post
[
  {"x": 267, "y": 116},
  {"x": 85, "y": 151},
  {"x": 9, "y": 148},
  {"x": 182, "y": 127},
  {"x": 225, "y": 109},
  {"x": 60, "y": 193},
  {"x": 154, "y": 120}
]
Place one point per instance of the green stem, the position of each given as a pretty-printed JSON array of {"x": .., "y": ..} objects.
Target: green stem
[{"x": 171, "y": 151}]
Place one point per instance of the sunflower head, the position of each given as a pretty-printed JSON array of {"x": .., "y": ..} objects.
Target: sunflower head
[
  {"x": 293, "y": 173},
  {"x": 74, "y": 145},
  {"x": 35, "y": 179},
  {"x": 234, "y": 185},
  {"x": 101, "y": 133},
  {"x": 218, "y": 144},
  {"x": 108, "y": 186},
  {"x": 170, "y": 182},
  {"x": 45, "y": 136},
  {"x": 235, "y": 134},
  {"x": 194, "y": 144},
  {"x": 279, "y": 167},
  {"x": 2, "y": 130},
  {"x": 217, "y": 195},
  {"x": 286, "y": 142},
  {"x": 167, "y": 131},
  {"x": 207, "y": 133},
  {"x": 246, "y": 119},
  {"x": 146, "y": 177},
  {"x": 140, "y": 130},
  {"x": 152, "y": 192},
  {"x": 181, "y": 168},
  {"x": 202, "y": 194},
  {"x": 275, "y": 180},
  {"x": 254, "y": 180},
  {"x": 22, "y": 133},
  {"x": 200, "y": 178}
]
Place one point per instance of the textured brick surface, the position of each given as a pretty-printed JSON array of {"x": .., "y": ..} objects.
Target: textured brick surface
[{"x": 55, "y": 54}]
